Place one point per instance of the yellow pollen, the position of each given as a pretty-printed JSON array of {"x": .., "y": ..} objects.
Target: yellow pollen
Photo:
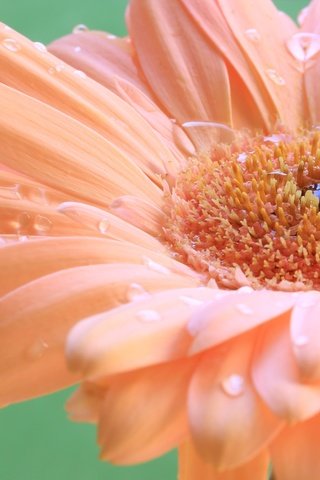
[{"x": 250, "y": 207}]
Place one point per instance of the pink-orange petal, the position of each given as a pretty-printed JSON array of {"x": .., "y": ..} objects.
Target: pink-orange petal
[
  {"x": 295, "y": 452},
  {"x": 35, "y": 320},
  {"x": 277, "y": 378},
  {"x": 46, "y": 78},
  {"x": 305, "y": 335},
  {"x": 53, "y": 148},
  {"x": 191, "y": 80},
  {"x": 142, "y": 333},
  {"x": 229, "y": 422},
  {"x": 281, "y": 73},
  {"x": 235, "y": 313},
  {"x": 144, "y": 413},
  {"x": 192, "y": 465},
  {"x": 25, "y": 261},
  {"x": 85, "y": 403}
]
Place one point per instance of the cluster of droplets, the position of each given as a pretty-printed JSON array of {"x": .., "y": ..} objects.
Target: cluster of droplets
[{"x": 249, "y": 213}]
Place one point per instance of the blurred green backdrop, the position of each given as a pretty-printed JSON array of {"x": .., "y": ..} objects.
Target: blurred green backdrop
[{"x": 37, "y": 442}]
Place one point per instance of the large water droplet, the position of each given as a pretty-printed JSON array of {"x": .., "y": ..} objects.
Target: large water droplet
[
  {"x": 42, "y": 224},
  {"x": 80, "y": 28},
  {"x": 104, "y": 225},
  {"x": 303, "y": 46},
  {"x": 77, "y": 49},
  {"x": 245, "y": 309},
  {"x": 11, "y": 44},
  {"x": 79, "y": 73},
  {"x": 37, "y": 349},
  {"x": 252, "y": 34},
  {"x": 136, "y": 292},
  {"x": 233, "y": 385},
  {"x": 148, "y": 316},
  {"x": 275, "y": 77},
  {"x": 40, "y": 46}
]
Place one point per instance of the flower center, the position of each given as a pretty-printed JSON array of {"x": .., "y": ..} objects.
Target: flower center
[{"x": 248, "y": 213}]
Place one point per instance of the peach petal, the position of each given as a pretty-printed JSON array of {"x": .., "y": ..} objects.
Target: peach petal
[
  {"x": 164, "y": 29},
  {"x": 26, "y": 261},
  {"x": 279, "y": 73},
  {"x": 295, "y": 452},
  {"x": 85, "y": 403},
  {"x": 192, "y": 465},
  {"x": 312, "y": 75},
  {"x": 36, "y": 318},
  {"x": 310, "y": 17},
  {"x": 43, "y": 76},
  {"x": 132, "y": 430},
  {"x": 214, "y": 27},
  {"x": 139, "y": 212},
  {"x": 41, "y": 142},
  {"x": 277, "y": 377},
  {"x": 305, "y": 335},
  {"x": 135, "y": 335},
  {"x": 107, "y": 224},
  {"x": 229, "y": 422},
  {"x": 235, "y": 313}
]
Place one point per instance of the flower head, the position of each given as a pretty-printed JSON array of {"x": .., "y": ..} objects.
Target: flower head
[{"x": 164, "y": 190}]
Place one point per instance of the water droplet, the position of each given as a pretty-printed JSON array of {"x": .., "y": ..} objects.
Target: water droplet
[
  {"x": 245, "y": 289},
  {"x": 245, "y": 309},
  {"x": 111, "y": 36},
  {"x": 79, "y": 73},
  {"x": 10, "y": 192},
  {"x": 304, "y": 46},
  {"x": 23, "y": 220},
  {"x": 253, "y": 35},
  {"x": 190, "y": 301},
  {"x": 104, "y": 225},
  {"x": 80, "y": 28},
  {"x": 56, "y": 68},
  {"x": 37, "y": 349},
  {"x": 148, "y": 316},
  {"x": 42, "y": 224},
  {"x": 23, "y": 238},
  {"x": 242, "y": 157},
  {"x": 275, "y": 77},
  {"x": 11, "y": 44},
  {"x": 302, "y": 15},
  {"x": 77, "y": 49},
  {"x": 40, "y": 46},
  {"x": 136, "y": 292},
  {"x": 156, "y": 267},
  {"x": 301, "y": 341},
  {"x": 233, "y": 385}
]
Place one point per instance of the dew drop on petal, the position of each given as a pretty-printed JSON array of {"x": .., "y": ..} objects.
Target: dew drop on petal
[
  {"x": 80, "y": 28},
  {"x": 303, "y": 46},
  {"x": 242, "y": 157},
  {"x": 23, "y": 220},
  {"x": 111, "y": 36},
  {"x": 40, "y": 46},
  {"x": 23, "y": 238},
  {"x": 56, "y": 68},
  {"x": 301, "y": 341},
  {"x": 252, "y": 34},
  {"x": 156, "y": 267},
  {"x": 79, "y": 73},
  {"x": 37, "y": 349},
  {"x": 11, "y": 44},
  {"x": 245, "y": 289},
  {"x": 42, "y": 224},
  {"x": 104, "y": 225},
  {"x": 136, "y": 291},
  {"x": 275, "y": 77},
  {"x": 245, "y": 309},
  {"x": 233, "y": 385},
  {"x": 77, "y": 49},
  {"x": 148, "y": 316},
  {"x": 191, "y": 301}
]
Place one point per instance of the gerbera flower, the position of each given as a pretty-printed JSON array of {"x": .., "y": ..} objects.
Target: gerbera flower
[{"x": 176, "y": 213}]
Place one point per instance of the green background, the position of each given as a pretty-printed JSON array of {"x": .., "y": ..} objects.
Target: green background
[{"x": 37, "y": 442}]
